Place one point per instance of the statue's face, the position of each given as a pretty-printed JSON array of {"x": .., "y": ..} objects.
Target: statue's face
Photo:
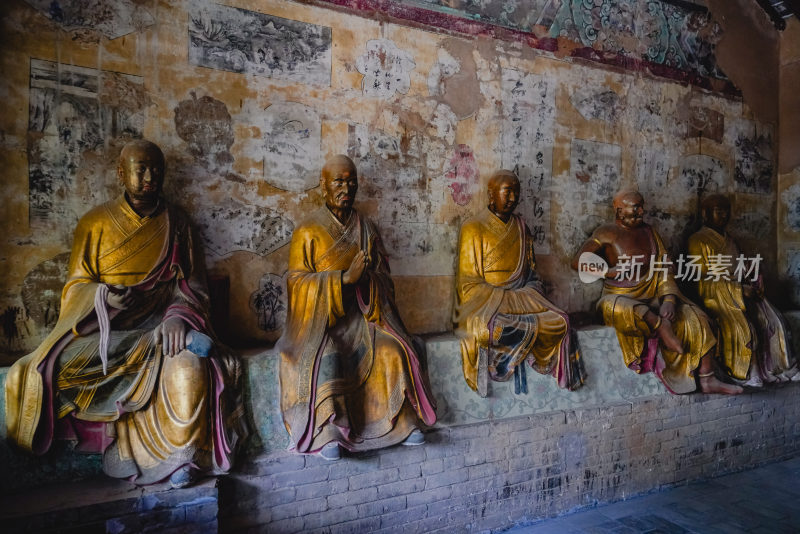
[
  {"x": 630, "y": 211},
  {"x": 504, "y": 197},
  {"x": 339, "y": 185},
  {"x": 718, "y": 215},
  {"x": 141, "y": 171}
]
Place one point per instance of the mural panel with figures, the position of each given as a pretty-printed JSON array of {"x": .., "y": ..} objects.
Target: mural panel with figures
[
  {"x": 248, "y": 42},
  {"x": 675, "y": 39},
  {"x": 72, "y": 117}
]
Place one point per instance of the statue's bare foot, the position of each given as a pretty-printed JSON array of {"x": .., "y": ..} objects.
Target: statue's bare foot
[
  {"x": 668, "y": 337},
  {"x": 710, "y": 384}
]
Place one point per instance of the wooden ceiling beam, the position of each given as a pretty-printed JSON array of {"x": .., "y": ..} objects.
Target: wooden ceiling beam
[{"x": 794, "y": 6}]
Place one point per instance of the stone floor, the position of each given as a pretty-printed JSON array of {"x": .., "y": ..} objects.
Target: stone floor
[{"x": 764, "y": 500}]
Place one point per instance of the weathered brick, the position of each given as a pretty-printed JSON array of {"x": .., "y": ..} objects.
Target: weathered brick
[
  {"x": 402, "y": 456},
  {"x": 347, "y": 467},
  {"x": 299, "y": 508},
  {"x": 409, "y": 471},
  {"x": 292, "y": 524},
  {"x": 402, "y": 517},
  {"x": 369, "y": 524},
  {"x": 469, "y": 432},
  {"x": 305, "y": 476},
  {"x": 271, "y": 466},
  {"x": 329, "y": 517},
  {"x": 202, "y": 512},
  {"x": 375, "y": 478},
  {"x": 382, "y": 506},
  {"x": 276, "y": 497},
  {"x": 353, "y": 497},
  {"x": 321, "y": 489},
  {"x": 446, "y": 478},
  {"x": 487, "y": 469},
  {"x": 431, "y": 467},
  {"x": 474, "y": 457},
  {"x": 401, "y": 487},
  {"x": 453, "y": 462},
  {"x": 428, "y": 496}
]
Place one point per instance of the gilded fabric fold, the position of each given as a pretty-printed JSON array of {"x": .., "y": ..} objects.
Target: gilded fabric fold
[
  {"x": 139, "y": 402},
  {"x": 501, "y": 315},
  {"x": 349, "y": 372},
  {"x": 746, "y": 327},
  {"x": 624, "y": 305}
]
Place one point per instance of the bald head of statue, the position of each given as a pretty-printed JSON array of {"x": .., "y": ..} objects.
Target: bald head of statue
[
  {"x": 141, "y": 172},
  {"x": 629, "y": 208},
  {"x": 503, "y": 189},
  {"x": 339, "y": 183}
]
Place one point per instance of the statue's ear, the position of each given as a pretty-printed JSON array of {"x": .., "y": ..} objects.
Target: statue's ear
[{"x": 120, "y": 174}]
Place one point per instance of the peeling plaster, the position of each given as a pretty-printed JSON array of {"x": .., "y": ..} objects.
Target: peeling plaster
[
  {"x": 292, "y": 139},
  {"x": 386, "y": 69},
  {"x": 206, "y": 126},
  {"x": 595, "y": 103},
  {"x": 595, "y": 169}
]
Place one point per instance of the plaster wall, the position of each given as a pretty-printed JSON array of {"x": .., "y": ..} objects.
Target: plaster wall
[
  {"x": 789, "y": 160},
  {"x": 427, "y": 114}
]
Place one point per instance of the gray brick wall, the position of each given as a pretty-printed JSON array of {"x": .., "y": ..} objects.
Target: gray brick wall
[{"x": 489, "y": 476}]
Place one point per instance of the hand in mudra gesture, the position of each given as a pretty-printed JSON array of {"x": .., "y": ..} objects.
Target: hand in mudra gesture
[{"x": 357, "y": 267}]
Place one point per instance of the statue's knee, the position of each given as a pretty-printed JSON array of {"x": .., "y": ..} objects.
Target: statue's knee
[{"x": 184, "y": 380}]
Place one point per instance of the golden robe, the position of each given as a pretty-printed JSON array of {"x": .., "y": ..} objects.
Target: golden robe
[
  {"x": 149, "y": 414},
  {"x": 501, "y": 315},
  {"x": 349, "y": 371},
  {"x": 746, "y": 328},
  {"x": 624, "y": 306}
]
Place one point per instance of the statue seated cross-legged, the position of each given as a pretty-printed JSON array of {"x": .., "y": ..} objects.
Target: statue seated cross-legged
[
  {"x": 646, "y": 307},
  {"x": 502, "y": 316},
  {"x": 132, "y": 368}
]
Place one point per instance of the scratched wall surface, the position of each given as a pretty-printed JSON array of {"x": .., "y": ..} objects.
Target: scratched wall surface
[{"x": 247, "y": 100}]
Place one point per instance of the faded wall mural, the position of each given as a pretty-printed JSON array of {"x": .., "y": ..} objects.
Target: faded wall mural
[
  {"x": 112, "y": 19},
  {"x": 673, "y": 39},
  {"x": 228, "y": 38},
  {"x": 72, "y": 116},
  {"x": 248, "y": 104}
]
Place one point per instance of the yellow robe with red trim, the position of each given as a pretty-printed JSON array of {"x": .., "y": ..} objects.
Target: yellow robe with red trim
[
  {"x": 741, "y": 334},
  {"x": 156, "y": 410},
  {"x": 497, "y": 291},
  {"x": 349, "y": 371},
  {"x": 624, "y": 308}
]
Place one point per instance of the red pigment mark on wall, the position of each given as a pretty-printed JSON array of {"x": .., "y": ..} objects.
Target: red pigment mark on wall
[{"x": 462, "y": 173}]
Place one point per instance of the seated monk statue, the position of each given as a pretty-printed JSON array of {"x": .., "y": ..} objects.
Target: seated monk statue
[
  {"x": 753, "y": 346},
  {"x": 502, "y": 317},
  {"x": 132, "y": 369},
  {"x": 350, "y": 374},
  {"x": 643, "y": 303}
]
